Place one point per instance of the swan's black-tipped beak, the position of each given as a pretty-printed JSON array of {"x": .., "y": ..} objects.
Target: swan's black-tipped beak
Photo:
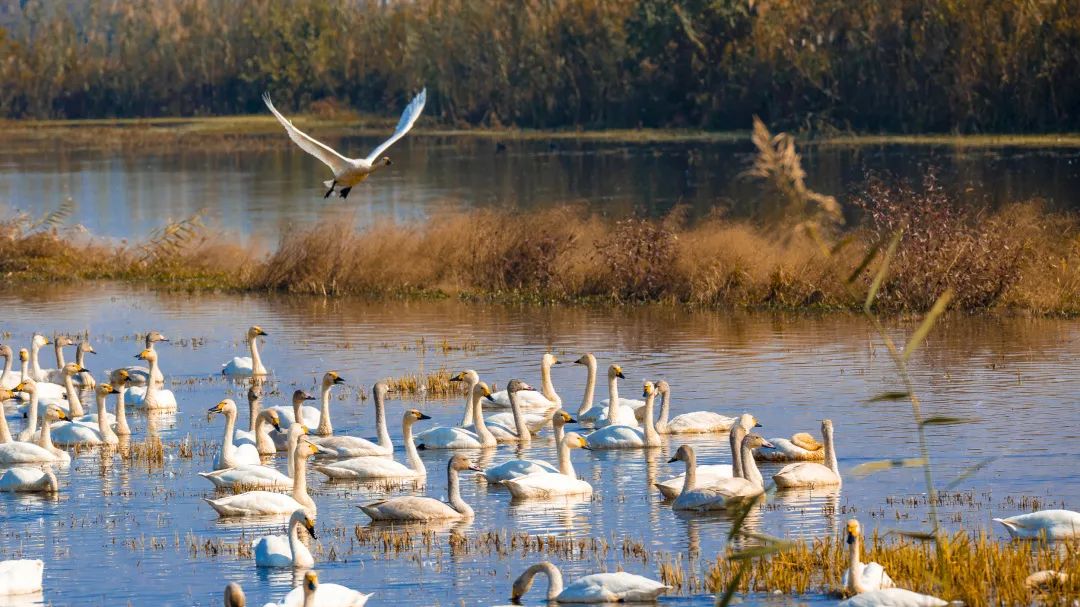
[
  {"x": 139, "y": 357},
  {"x": 276, "y": 425},
  {"x": 114, "y": 391},
  {"x": 768, "y": 445},
  {"x": 586, "y": 447},
  {"x": 490, "y": 398},
  {"x": 261, "y": 332},
  {"x": 422, "y": 416},
  {"x": 83, "y": 370},
  {"x": 757, "y": 425},
  {"x": 94, "y": 352},
  {"x": 475, "y": 468},
  {"x": 620, "y": 375},
  {"x": 571, "y": 421},
  {"x": 311, "y": 532},
  {"x": 339, "y": 380},
  {"x": 850, "y": 538}
]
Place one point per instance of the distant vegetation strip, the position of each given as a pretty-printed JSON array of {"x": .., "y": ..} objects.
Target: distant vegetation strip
[{"x": 906, "y": 66}]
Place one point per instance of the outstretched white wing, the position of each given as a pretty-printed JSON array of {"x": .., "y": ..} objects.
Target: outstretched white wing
[
  {"x": 408, "y": 118},
  {"x": 316, "y": 148}
]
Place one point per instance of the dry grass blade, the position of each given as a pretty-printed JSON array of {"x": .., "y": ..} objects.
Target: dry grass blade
[
  {"x": 920, "y": 334},
  {"x": 868, "y": 468},
  {"x": 947, "y": 420},
  {"x": 886, "y": 396},
  {"x": 871, "y": 294},
  {"x": 56, "y": 217},
  {"x": 971, "y": 471}
]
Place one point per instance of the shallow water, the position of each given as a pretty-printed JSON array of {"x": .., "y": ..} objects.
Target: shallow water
[
  {"x": 127, "y": 194},
  {"x": 121, "y": 533}
]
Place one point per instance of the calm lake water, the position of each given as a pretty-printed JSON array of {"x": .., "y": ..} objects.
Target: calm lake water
[
  {"x": 120, "y": 533},
  {"x": 256, "y": 192}
]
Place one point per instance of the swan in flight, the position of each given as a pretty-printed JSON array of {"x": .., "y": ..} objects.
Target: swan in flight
[
  {"x": 349, "y": 172},
  {"x": 862, "y": 577},
  {"x": 616, "y": 587}
]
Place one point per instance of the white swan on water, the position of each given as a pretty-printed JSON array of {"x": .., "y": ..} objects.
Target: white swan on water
[
  {"x": 265, "y": 503},
  {"x": 246, "y": 366},
  {"x": 1053, "y": 524},
  {"x": 19, "y": 452},
  {"x": 367, "y": 468},
  {"x": 520, "y": 467},
  {"x": 812, "y": 474},
  {"x": 24, "y": 479},
  {"x": 419, "y": 508},
  {"x": 313, "y": 594},
  {"x": 606, "y": 414},
  {"x": 21, "y": 576},
  {"x": 351, "y": 446},
  {"x": 497, "y": 422},
  {"x": 619, "y": 587},
  {"x": 151, "y": 396},
  {"x": 543, "y": 485},
  {"x": 446, "y": 437},
  {"x": 258, "y": 476},
  {"x": 543, "y": 400},
  {"x": 138, "y": 374},
  {"x": 859, "y": 576},
  {"x": 712, "y": 473},
  {"x": 629, "y": 437},
  {"x": 287, "y": 550},
  {"x": 348, "y": 172},
  {"x": 720, "y": 494},
  {"x": 695, "y": 422},
  {"x": 232, "y": 455}
]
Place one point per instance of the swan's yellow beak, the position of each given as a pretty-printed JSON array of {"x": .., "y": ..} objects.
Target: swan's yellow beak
[
  {"x": 275, "y": 422},
  {"x": 23, "y": 355},
  {"x": 458, "y": 376},
  {"x": 145, "y": 354},
  {"x": 21, "y": 387},
  {"x": 311, "y": 580},
  {"x": 853, "y": 531},
  {"x": 310, "y": 526}
]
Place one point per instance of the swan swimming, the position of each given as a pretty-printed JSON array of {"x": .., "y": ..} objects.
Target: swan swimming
[
  {"x": 17, "y": 452},
  {"x": 264, "y": 503},
  {"x": 443, "y": 437},
  {"x": 629, "y": 437},
  {"x": 21, "y": 576},
  {"x": 232, "y": 455},
  {"x": 367, "y": 468},
  {"x": 553, "y": 484},
  {"x": 287, "y": 550},
  {"x": 520, "y": 467},
  {"x": 812, "y": 474},
  {"x": 352, "y": 446},
  {"x": 619, "y": 587},
  {"x": 420, "y": 508},
  {"x": 695, "y": 422},
  {"x": 28, "y": 480},
  {"x": 720, "y": 494},
  {"x": 711, "y": 473},
  {"x": 313, "y": 594},
  {"x": 258, "y": 475},
  {"x": 607, "y": 413},
  {"x": 139, "y": 375},
  {"x": 496, "y": 422},
  {"x": 151, "y": 396},
  {"x": 859, "y": 576},
  {"x": 348, "y": 172},
  {"x": 246, "y": 366},
  {"x": 531, "y": 399}
]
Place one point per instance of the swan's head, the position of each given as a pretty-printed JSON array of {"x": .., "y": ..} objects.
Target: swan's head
[
  {"x": 854, "y": 531},
  {"x": 255, "y": 331},
  {"x": 309, "y": 523},
  {"x": 6, "y": 394},
  {"x": 53, "y": 486},
  {"x": 104, "y": 390},
  {"x": 332, "y": 379},
  {"x": 223, "y": 407},
  {"x": 573, "y": 440},
  {"x": 461, "y": 462},
  {"x": 40, "y": 340},
  {"x": 254, "y": 393},
  {"x": 154, "y": 336},
  {"x": 147, "y": 355},
  {"x": 305, "y": 447},
  {"x": 27, "y": 385},
  {"x": 516, "y": 385},
  {"x": 234, "y": 595},
  {"x": 525, "y": 581},
  {"x": 615, "y": 371},
  {"x": 86, "y": 348},
  {"x": 586, "y": 359},
  {"x": 648, "y": 389},
  {"x": 54, "y": 413},
  {"x": 482, "y": 390},
  {"x": 380, "y": 389},
  {"x": 24, "y": 355},
  {"x": 6, "y": 351},
  {"x": 748, "y": 422},
  {"x": 826, "y": 428},
  {"x": 562, "y": 418},
  {"x": 385, "y": 161},
  {"x": 300, "y": 396},
  {"x": 119, "y": 377},
  {"x": 74, "y": 369},
  {"x": 685, "y": 453},
  {"x": 275, "y": 419},
  {"x": 549, "y": 359},
  {"x": 662, "y": 387},
  {"x": 468, "y": 376},
  {"x": 415, "y": 415},
  {"x": 756, "y": 441},
  {"x": 311, "y": 583},
  {"x": 63, "y": 340}
]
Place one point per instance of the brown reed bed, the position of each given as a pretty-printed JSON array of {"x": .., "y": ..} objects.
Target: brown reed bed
[{"x": 436, "y": 384}]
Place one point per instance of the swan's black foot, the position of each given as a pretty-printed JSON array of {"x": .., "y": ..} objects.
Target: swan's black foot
[
  {"x": 345, "y": 192},
  {"x": 331, "y": 190}
]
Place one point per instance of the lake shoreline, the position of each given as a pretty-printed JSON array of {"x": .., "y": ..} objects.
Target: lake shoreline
[{"x": 225, "y": 131}]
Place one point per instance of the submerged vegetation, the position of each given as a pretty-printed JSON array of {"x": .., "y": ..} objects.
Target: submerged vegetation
[{"x": 905, "y": 66}]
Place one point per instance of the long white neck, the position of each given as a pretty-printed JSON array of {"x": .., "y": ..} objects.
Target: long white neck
[
  {"x": 121, "y": 413},
  {"x": 31, "y": 418},
  {"x": 59, "y": 354},
  {"x": 546, "y": 387},
  {"x": 155, "y": 371},
  {"x": 487, "y": 439},
  {"x": 5, "y": 432},
  {"x": 104, "y": 428},
  {"x": 566, "y": 467},
  {"x": 150, "y": 397},
  {"x": 380, "y": 424},
  {"x": 558, "y": 429},
  {"x": 735, "y": 439},
  {"x": 257, "y": 367},
  {"x": 34, "y": 363},
  {"x": 74, "y": 404},
  {"x": 45, "y": 440},
  {"x": 750, "y": 469},
  {"x": 523, "y": 433},
  {"x": 253, "y": 415},
  {"x": 263, "y": 442},
  {"x": 555, "y": 580},
  {"x": 855, "y": 580},
  {"x": 665, "y": 409},
  {"x": 325, "y": 429},
  {"x": 830, "y": 451},
  {"x": 590, "y": 387},
  {"x": 7, "y": 370},
  {"x": 468, "y": 417},
  {"x": 613, "y": 400},
  {"x": 652, "y": 437},
  {"x": 294, "y": 437},
  {"x": 454, "y": 490},
  {"x": 227, "y": 446},
  {"x": 690, "y": 480},
  {"x": 411, "y": 454},
  {"x": 300, "y": 554},
  {"x": 26, "y": 369},
  {"x": 299, "y": 491}
]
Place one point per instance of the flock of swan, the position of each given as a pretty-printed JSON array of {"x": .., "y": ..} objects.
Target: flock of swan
[{"x": 50, "y": 401}]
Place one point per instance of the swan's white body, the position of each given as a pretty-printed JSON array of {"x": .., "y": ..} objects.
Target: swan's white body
[
  {"x": 28, "y": 480},
  {"x": 718, "y": 495},
  {"x": 446, "y": 437},
  {"x": 309, "y": 414},
  {"x": 232, "y": 455},
  {"x": 859, "y": 576},
  {"x": 9, "y": 379},
  {"x": 151, "y": 396},
  {"x": 415, "y": 508},
  {"x": 83, "y": 433},
  {"x": 264, "y": 503},
  {"x": 350, "y": 446},
  {"x": 696, "y": 422},
  {"x": 628, "y": 437},
  {"x": 619, "y": 587},
  {"x": 257, "y": 476},
  {"x": 140, "y": 375},
  {"x": 368, "y": 468},
  {"x": 517, "y": 468},
  {"x": 18, "y": 452},
  {"x": 893, "y": 597},
  {"x": 706, "y": 475},
  {"x": 1053, "y": 524},
  {"x": 286, "y": 550},
  {"x": 811, "y": 475},
  {"x": 544, "y": 485},
  {"x": 545, "y": 400},
  {"x": 246, "y": 366},
  {"x": 327, "y": 595},
  {"x": 349, "y": 172},
  {"x": 799, "y": 448},
  {"x": 21, "y": 576}
]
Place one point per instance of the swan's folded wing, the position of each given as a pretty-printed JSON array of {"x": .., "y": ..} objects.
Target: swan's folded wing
[
  {"x": 408, "y": 119},
  {"x": 409, "y": 507},
  {"x": 539, "y": 484},
  {"x": 309, "y": 144},
  {"x": 327, "y": 594}
]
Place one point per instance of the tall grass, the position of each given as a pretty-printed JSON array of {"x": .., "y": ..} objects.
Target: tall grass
[{"x": 902, "y": 66}]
